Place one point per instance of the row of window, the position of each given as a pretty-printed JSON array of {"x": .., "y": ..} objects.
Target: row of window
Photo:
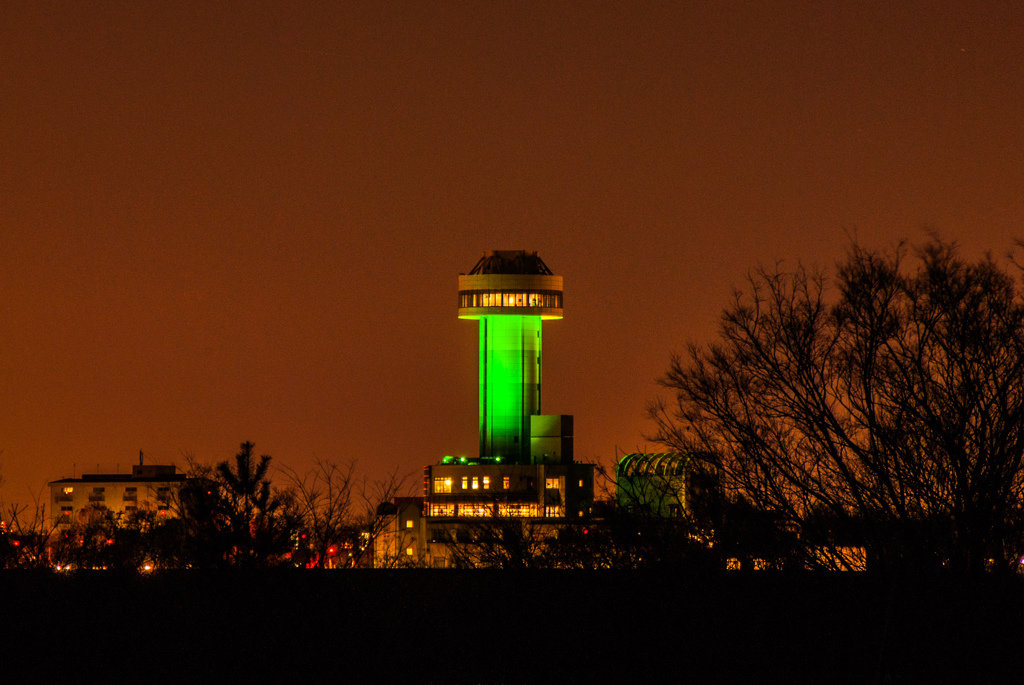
[
  {"x": 444, "y": 484},
  {"x": 505, "y": 509},
  {"x": 66, "y": 512},
  {"x": 129, "y": 490},
  {"x": 551, "y": 299}
]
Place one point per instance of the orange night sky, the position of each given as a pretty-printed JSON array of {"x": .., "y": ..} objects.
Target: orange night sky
[{"x": 243, "y": 221}]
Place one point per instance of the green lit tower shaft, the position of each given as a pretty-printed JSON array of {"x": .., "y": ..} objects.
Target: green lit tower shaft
[
  {"x": 510, "y": 293},
  {"x": 510, "y": 348}
]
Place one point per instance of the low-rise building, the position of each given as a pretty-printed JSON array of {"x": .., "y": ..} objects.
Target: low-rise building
[
  {"x": 149, "y": 487},
  {"x": 460, "y": 501}
]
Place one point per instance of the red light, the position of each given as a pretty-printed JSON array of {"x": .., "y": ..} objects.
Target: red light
[
  {"x": 110, "y": 541},
  {"x": 17, "y": 543},
  {"x": 586, "y": 531},
  {"x": 331, "y": 550}
]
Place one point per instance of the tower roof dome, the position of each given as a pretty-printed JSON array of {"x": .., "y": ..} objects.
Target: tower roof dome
[{"x": 511, "y": 262}]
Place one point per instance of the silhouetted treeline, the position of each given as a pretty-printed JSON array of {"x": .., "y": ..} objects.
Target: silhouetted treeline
[
  {"x": 883, "y": 403},
  {"x": 229, "y": 515}
]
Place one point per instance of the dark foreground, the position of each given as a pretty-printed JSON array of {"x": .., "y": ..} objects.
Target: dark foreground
[{"x": 506, "y": 627}]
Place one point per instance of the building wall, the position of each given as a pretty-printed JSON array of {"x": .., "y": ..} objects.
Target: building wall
[
  {"x": 402, "y": 541},
  {"x": 533, "y": 491},
  {"x": 458, "y": 498},
  {"x": 510, "y": 381},
  {"x": 148, "y": 488}
]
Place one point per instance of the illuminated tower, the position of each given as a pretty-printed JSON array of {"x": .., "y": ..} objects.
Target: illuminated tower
[{"x": 510, "y": 293}]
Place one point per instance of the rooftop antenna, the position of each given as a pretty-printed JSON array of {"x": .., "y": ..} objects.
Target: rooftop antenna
[{"x": 140, "y": 457}]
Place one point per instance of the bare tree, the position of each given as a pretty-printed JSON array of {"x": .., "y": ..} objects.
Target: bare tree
[
  {"x": 340, "y": 513},
  {"x": 885, "y": 405},
  {"x": 500, "y": 542},
  {"x": 326, "y": 499},
  {"x": 374, "y": 494},
  {"x": 26, "y": 539},
  {"x": 648, "y": 517}
]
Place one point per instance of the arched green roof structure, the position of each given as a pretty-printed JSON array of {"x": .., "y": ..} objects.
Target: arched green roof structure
[{"x": 652, "y": 464}]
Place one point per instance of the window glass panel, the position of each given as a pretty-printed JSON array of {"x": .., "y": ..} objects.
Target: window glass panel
[
  {"x": 475, "y": 509},
  {"x": 442, "y": 509},
  {"x": 521, "y": 509}
]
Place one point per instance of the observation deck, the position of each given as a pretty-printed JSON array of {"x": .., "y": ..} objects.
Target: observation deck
[{"x": 510, "y": 282}]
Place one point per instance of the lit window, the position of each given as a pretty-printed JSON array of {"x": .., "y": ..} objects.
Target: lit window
[
  {"x": 68, "y": 491},
  {"x": 520, "y": 509},
  {"x": 476, "y": 483},
  {"x": 732, "y": 564},
  {"x": 505, "y": 482},
  {"x": 552, "y": 483},
  {"x": 442, "y": 510},
  {"x": 465, "y": 482},
  {"x": 487, "y": 482},
  {"x": 581, "y": 482},
  {"x": 474, "y": 509},
  {"x": 409, "y": 551},
  {"x": 442, "y": 484},
  {"x": 408, "y": 523}
]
